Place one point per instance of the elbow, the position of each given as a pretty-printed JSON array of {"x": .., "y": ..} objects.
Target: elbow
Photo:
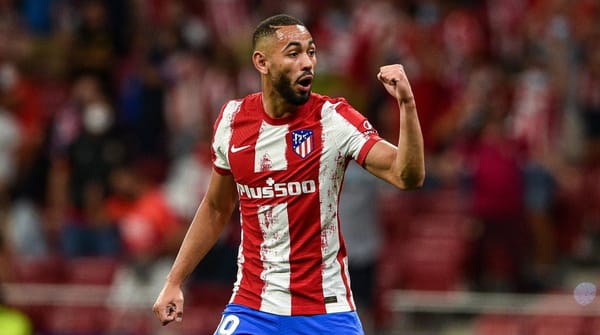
[{"x": 412, "y": 181}]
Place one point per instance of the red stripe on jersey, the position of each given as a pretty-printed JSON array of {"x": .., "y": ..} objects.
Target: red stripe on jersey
[
  {"x": 306, "y": 280},
  {"x": 365, "y": 150},
  {"x": 220, "y": 171},
  {"x": 306, "y": 283}
]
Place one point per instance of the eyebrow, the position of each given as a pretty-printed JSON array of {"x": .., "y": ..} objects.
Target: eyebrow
[{"x": 298, "y": 44}]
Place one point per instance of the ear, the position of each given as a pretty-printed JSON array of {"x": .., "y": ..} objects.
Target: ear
[{"x": 260, "y": 62}]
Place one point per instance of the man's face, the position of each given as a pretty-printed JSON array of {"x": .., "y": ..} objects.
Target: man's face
[{"x": 293, "y": 58}]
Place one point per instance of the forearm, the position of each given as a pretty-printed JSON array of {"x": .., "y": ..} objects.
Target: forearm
[
  {"x": 402, "y": 165},
  {"x": 204, "y": 231},
  {"x": 409, "y": 163}
]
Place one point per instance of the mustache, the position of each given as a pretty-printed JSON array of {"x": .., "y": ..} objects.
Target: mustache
[{"x": 306, "y": 73}]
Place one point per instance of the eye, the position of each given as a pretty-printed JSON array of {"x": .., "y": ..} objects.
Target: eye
[
  {"x": 293, "y": 54},
  {"x": 312, "y": 52}
]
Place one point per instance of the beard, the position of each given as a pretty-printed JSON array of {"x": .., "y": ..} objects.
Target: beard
[{"x": 283, "y": 86}]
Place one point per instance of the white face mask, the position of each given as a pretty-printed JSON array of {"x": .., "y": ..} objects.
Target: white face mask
[{"x": 97, "y": 118}]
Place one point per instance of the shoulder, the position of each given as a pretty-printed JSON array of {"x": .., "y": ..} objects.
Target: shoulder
[
  {"x": 330, "y": 106},
  {"x": 232, "y": 107},
  {"x": 251, "y": 100},
  {"x": 324, "y": 99},
  {"x": 340, "y": 114},
  {"x": 339, "y": 107}
]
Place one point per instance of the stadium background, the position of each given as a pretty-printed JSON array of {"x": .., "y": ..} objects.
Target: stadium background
[{"x": 106, "y": 111}]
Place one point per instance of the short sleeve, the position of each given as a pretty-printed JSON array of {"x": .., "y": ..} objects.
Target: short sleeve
[
  {"x": 223, "y": 129},
  {"x": 353, "y": 131}
]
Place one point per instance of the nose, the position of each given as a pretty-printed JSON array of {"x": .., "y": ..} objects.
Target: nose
[{"x": 307, "y": 61}]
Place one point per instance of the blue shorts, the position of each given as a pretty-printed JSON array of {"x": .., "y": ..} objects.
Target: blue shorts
[{"x": 241, "y": 320}]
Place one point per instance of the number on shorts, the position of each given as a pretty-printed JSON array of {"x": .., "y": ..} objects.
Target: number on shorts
[{"x": 228, "y": 325}]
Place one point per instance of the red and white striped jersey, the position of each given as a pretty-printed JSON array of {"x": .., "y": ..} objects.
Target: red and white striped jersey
[{"x": 292, "y": 259}]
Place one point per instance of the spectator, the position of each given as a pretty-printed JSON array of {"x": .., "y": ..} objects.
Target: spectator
[
  {"x": 150, "y": 232},
  {"x": 19, "y": 96},
  {"x": 188, "y": 111},
  {"x": 91, "y": 232},
  {"x": 495, "y": 188},
  {"x": 534, "y": 123},
  {"x": 142, "y": 111},
  {"x": 588, "y": 97},
  {"x": 88, "y": 145},
  {"x": 25, "y": 232},
  {"x": 93, "y": 49},
  {"x": 10, "y": 134}
]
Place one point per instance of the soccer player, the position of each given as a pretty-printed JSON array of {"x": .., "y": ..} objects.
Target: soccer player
[{"x": 282, "y": 153}]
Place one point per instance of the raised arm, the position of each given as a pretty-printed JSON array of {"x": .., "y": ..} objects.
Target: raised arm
[
  {"x": 403, "y": 165},
  {"x": 208, "y": 223}
]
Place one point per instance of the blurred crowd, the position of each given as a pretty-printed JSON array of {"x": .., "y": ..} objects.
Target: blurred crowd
[{"x": 107, "y": 107}]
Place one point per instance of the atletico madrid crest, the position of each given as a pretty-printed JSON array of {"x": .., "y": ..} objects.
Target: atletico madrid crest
[{"x": 303, "y": 142}]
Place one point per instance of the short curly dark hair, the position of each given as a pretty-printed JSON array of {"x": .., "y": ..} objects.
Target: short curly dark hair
[{"x": 268, "y": 26}]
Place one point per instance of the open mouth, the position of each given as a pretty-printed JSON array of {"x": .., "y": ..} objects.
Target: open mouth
[{"x": 305, "y": 82}]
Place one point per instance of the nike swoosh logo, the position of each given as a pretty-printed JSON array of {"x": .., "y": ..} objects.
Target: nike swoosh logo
[{"x": 235, "y": 149}]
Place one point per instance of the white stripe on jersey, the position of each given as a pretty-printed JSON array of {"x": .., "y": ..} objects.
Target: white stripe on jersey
[
  {"x": 224, "y": 135},
  {"x": 330, "y": 179},
  {"x": 272, "y": 138},
  {"x": 275, "y": 256},
  {"x": 344, "y": 129}
]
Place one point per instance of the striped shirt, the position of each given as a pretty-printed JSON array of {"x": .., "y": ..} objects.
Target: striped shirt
[{"x": 289, "y": 171}]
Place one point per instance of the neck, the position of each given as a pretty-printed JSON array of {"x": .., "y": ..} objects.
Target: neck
[{"x": 275, "y": 106}]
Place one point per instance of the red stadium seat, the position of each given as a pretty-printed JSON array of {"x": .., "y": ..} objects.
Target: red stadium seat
[
  {"x": 440, "y": 201},
  {"x": 432, "y": 264},
  {"x": 389, "y": 267},
  {"x": 594, "y": 328},
  {"x": 499, "y": 325},
  {"x": 76, "y": 320},
  {"x": 394, "y": 212},
  {"x": 209, "y": 294},
  {"x": 558, "y": 325},
  {"x": 436, "y": 225},
  {"x": 91, "y": 270},
  {"x": 44, "y": 270},
  {"x": 132, "y": 321},
  {"x": 37, "y": 315}
]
